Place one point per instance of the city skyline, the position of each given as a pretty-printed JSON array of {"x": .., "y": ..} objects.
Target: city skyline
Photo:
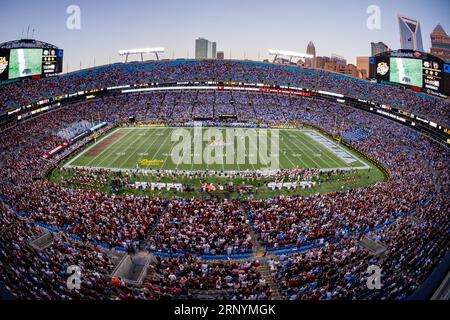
[{"x": 242, "y": 29}]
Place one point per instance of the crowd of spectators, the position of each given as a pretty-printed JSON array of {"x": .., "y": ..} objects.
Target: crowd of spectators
[
  {"x": 186, "y": 277},
  {"x": 339, "y": 271},
  {"x": 202, "y": 227},
  {"x": 21, "y": 94},
  {"x": 418, "y": 186},
  {"x": 32, "y": 274}
]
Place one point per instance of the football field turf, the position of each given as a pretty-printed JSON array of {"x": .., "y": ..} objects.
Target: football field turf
[{"x": 157, "y": 148}]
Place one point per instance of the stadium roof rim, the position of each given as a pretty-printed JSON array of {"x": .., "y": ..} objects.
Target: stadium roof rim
[
  {"x": 424, "y": 55},
  {"x": 26, "y": 43}
]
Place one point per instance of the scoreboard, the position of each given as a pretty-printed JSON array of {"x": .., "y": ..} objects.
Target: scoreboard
[
  {"x": 52, "y": 61},
  {"x": 416, "y": 70},
  {"x": 17, "y": 63}
]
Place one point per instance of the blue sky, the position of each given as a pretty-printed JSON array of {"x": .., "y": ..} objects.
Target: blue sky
[{"x": 239, "y": 27}]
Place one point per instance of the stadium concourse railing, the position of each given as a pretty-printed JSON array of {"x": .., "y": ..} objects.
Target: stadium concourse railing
[
  {"x": 436, "y": 286},
  {"x": 431, "y": 129}
]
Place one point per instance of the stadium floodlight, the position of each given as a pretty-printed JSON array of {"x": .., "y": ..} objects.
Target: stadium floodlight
[
  {"x": 141, "y": 51},
  {"x": 290, "y": 54}
]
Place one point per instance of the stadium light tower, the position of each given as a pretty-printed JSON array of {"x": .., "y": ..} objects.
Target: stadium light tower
[
  {"x": 290, "y": 54},
  {"x": 127, "y": 53}
]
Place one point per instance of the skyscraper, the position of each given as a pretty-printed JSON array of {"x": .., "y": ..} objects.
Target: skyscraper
[
  {"x": 205, "y": 49},
  {"x": 410, "y": 33},
  {"x": 311, "y": 49},
  {"x": 214, "y": 50},
  {"x": 378, "y": 47},
  {"x": 440, "y": 43}
]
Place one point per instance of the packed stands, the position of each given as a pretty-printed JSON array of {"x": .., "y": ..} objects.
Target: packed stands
[{"x": 312, "y": 242}]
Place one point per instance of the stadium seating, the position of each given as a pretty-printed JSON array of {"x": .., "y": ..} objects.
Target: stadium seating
[
  {"x": 312, "y": 242},
  {"x": 21, "y": 94},
  {"x": 356, "y": 135}
]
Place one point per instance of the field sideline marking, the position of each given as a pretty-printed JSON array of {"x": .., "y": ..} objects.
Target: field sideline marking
[
  {"x": 89, "y": 148},
  {"x": 131, "y": 145},
  {"x": 108, "y": 149},
  {"x": 228, "y": 171},
  {"x": 288, "y": 145},
  {"x": 303, "y": 151},
  {"x": 318, "y": 146},
  {"x": 340, "y": 147}
]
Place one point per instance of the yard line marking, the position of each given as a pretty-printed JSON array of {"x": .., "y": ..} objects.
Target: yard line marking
[
  {"x": 243, "y": 144},
  {"x": 163, "y": 143},
  {"x": 135, "y": 149},
  {"x": 303, "y": 143},
  {"x": 320, "y": 148},
  {"x": 321, "y": 139},
  {"x": 82, "y": 153},
  {"x": 169, "y": 155},
  {"x": 108, "y": 149},
  {"x": 118, "y": 146},
  {"x": 289, "y": 158},
  {"x": 325, "y": 148},
  {"x": 305, "y": 153}
]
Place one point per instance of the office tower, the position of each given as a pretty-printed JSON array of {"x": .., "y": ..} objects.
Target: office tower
[
  {"x": 410, "y": 33},
  {"x": 338, "y": 60},
  {"x": 205, "y": 49},
  {"x": 440, "y": 43},
  {"x": 311, "y": 49},
  {"x": 378, "y": 47}
]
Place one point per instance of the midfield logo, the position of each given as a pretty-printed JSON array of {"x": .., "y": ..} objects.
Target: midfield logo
[{"x": 226, "y": 146}]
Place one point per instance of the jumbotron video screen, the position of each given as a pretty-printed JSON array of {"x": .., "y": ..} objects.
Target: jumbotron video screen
[
  {"x": 25, "y": 62},
  {"x": 28, "y": 63},
  {"x": 408, "y": 68},
  {"x": 207, "y": 159},
  {"x": 406, "y": 71}
]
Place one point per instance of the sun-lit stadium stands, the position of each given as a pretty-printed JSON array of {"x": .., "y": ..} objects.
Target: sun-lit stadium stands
[{"x": 311, "y": 245}]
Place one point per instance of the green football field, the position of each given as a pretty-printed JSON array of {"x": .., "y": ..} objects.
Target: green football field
[
  {"x": 216, "y": 149},
  {"x": 406, "y": 71}
]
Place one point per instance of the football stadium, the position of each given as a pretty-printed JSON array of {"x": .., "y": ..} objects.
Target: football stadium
[{"x": 194, "y": 179}]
